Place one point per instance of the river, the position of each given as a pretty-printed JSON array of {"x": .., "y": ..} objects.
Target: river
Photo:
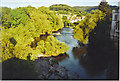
[
  {"x": 74, "y": 60},
  {"x": 88, "y": 63}
]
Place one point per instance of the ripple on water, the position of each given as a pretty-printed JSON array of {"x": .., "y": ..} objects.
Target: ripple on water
[{"x": 72, "y": 63}]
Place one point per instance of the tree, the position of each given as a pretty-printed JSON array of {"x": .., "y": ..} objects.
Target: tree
[
  {"x": 6, "y": 17},
  {"x": 100, "y": 35},
  {"x": 64, "y": 17},
  {"x": 18, "y": 16},
  {"x": 82, "y": 30},
  {"x": 66, "y": 21},
  {"x": 29, "y": 34},
  {"x": 105, "y": 8}
]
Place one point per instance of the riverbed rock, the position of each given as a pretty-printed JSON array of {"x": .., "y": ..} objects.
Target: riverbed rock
[
  {"x": 42, "y": 68},
  {"x": 60, "y": 73},
  {"x": 48, "y": 68}
]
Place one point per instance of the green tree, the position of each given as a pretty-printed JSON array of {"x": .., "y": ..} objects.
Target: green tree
[
  {"x": 105, "y": 8},
  {"x": 29, "y": 34},
  {"x": 18, "y": 16},
  {"x": 100, "y": 35},
  {"x": 64, "y": 18},
  {"x": 6, "y": 17},
  {"x": 82, "y": 30}
]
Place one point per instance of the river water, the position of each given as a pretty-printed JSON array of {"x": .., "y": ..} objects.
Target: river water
[{"x": 74, "y": 60}]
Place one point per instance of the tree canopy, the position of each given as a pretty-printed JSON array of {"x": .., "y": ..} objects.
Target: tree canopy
[
  {"x": 105, "y": 8},
  {"x": 25, "y": 24},
  {"x": 66, "y": 9},
  {"x": 102, "y": 31},
  {"x": 82, "y": 30}
]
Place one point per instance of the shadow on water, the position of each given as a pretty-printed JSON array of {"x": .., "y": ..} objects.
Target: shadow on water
[
  {"x": 103, "y": 59},
  {"x": 79, "y": 52},
  {"x": 98, "y": 60},
  {"x": 61, "y": 57}
]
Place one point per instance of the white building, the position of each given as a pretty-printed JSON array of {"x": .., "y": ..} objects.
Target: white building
[
  {"x": 77, "y": 19},
  {"x": 115, "y": 23}
]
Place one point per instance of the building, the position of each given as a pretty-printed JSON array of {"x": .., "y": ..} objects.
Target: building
[
  {"x": 114, "y": 33},
  {"x": 75, "y": 19}
]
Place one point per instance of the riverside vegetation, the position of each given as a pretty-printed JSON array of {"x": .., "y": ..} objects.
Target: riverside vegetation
[
  {"x": 23, "y": 33},
  {"x": 26, "y": 31}
]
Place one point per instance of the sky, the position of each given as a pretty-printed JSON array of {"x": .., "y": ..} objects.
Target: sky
[{"x": 37, "y": 3}]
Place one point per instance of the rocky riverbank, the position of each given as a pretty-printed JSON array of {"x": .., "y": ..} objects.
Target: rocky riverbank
[
  {"x": 42, "y": 68},
  {"x": 48, "y": 68}
]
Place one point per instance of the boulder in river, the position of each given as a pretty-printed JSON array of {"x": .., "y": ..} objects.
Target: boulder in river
[{"x": 48, "y": 68}]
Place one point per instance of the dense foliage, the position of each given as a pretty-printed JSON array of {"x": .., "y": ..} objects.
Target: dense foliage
[
  {"x": 5, "y": 16},
  {"x": 15, "y": 68},
  {"x": 102, "y": 51},
  {"x": 103, "y": 28},
  {"x": 86, "y": 8},
  {"x": 66, "y": 21},
  {"x": 82, "y": 30},
  {"x": 90, "y": 8},
  {"x": 21, "y": 27},
  {"x": 105, "y": 8},
  {"x": 68, "y": 14},
  {"x": 62, "y": 8},
  {"x": 95, "y": 25},
  {"x": 65, "y": 9}
]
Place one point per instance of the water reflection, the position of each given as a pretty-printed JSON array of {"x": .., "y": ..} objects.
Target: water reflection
[
  {"x": 79, "y": 52},
  {"x": 88, "y": 62},
  {"x": 61, "y": 57},
  {"x": 99, "y": 62}
]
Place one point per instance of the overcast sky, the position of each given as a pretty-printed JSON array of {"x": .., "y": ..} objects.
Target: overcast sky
[{"x": 47, "y": 3}]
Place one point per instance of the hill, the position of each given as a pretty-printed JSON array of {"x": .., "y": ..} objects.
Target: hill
[
  {"x": 64, "y": 9},
  {"x": 89, "y": 8},
  {"x": 86, "y": 8}
]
